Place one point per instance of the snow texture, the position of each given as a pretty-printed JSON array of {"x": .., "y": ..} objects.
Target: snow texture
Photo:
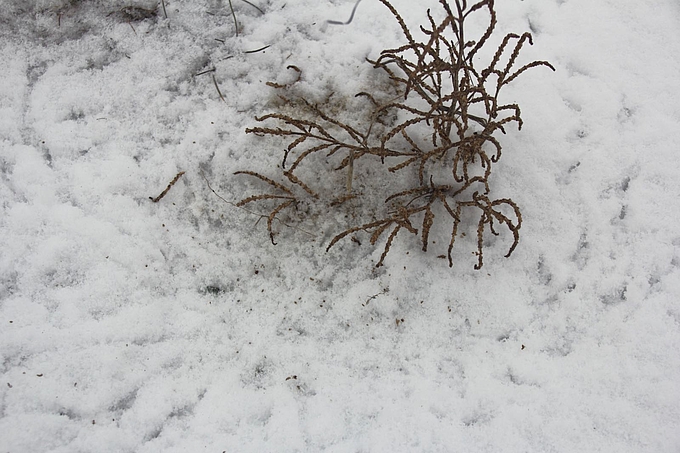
[{"x": 133, "y": 326}]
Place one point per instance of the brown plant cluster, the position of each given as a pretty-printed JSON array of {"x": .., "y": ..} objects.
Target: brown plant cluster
[{"x": 447, "y": 116}]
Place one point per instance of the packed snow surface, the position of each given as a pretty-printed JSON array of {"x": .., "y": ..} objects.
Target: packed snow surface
[{"x": 133, "y": 326}]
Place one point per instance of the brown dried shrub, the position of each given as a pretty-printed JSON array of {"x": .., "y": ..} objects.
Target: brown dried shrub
[{"x": 445, "y": 98}]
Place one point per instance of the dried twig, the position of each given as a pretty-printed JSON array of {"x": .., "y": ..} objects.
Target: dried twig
[
  {"x": 233, "y": 13},
  {"x": 258, "y": 50},
  {"x": 351, "y": 17},
  {"x": 172, "y": 183},
  {"x": 217, "y": 87},
  {"x": 240, "y": 204},
  {"x": 445, "y": 98},
  {"x": 254, "y": 6}
]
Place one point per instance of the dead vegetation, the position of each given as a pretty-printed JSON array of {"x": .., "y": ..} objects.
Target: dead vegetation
[{"x": 444, "y": 138}]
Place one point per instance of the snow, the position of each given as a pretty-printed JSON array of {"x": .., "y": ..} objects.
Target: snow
[{"x": 133, "y": 326}]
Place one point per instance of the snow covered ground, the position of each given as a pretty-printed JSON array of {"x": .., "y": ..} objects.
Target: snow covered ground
[{"x": 133, "y": 326}]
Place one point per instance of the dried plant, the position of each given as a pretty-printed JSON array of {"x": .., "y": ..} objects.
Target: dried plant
[{"x": 443, "y": 97}]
